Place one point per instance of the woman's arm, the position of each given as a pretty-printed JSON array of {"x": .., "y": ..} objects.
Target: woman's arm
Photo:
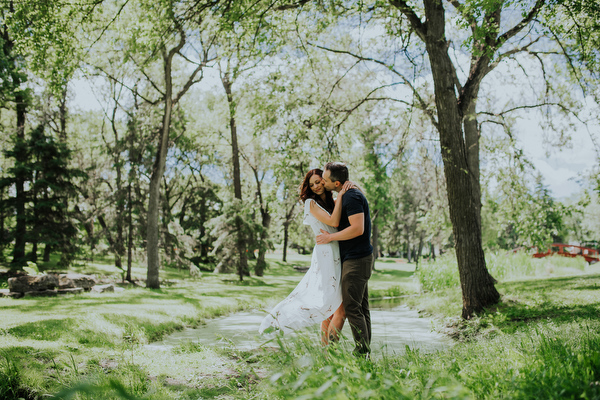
[
  {"x": 334, "y": 218},
  {"x": 356, "y": 228}
]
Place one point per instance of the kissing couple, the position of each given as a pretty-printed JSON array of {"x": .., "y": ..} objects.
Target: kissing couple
[{"x": 335, "y": 287}]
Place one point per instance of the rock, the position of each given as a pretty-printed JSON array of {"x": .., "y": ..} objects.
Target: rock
[
  {"x": 76, "y": 281},
  {"x": 4, "y": 292},
  {"x": 76, "y": 290},
  {"x": 300, "y": 268},
  {"x": 41, "y": 293},
  {"x": 103, "y": 288},
  {"x": 195, "y": 271},
  {"x": 28, "y": 283}
]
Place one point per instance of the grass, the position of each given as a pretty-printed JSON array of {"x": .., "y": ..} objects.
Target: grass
[{"x": 541, "y": 342}]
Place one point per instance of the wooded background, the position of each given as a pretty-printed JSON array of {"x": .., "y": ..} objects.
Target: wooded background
[{"x": 212, "y": 111}]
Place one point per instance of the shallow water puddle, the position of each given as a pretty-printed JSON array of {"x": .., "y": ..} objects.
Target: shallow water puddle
[{"x": 393, "y": 329}]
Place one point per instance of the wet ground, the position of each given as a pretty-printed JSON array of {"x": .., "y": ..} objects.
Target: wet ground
[{"x": 394, "y": 327}]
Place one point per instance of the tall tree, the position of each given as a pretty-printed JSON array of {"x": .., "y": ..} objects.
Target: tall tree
[
  {"x": 164, "y": 42},
  {"x": 486, "y": 41},
  {"x": 15, "y": 92}
]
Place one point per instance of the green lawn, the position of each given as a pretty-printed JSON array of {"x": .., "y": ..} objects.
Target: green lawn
[{"x": 541, "y": 342}]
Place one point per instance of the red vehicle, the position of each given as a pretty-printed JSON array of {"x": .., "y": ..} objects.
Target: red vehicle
[{"x": 570, "y": 250}]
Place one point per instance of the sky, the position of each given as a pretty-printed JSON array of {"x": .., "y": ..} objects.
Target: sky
[{"x": 561, "y": 168}]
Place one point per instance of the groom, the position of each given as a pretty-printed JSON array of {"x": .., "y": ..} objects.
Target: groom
[{"x": 356, "y": 252}]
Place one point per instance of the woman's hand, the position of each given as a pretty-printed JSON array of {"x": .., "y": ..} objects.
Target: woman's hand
[{"x": 347, "y": 186}]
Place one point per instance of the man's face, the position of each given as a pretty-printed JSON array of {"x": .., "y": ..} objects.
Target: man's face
[{"x": 328, "y": 183}]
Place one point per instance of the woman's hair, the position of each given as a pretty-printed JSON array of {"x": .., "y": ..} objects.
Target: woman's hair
[{"x": 306, "y": 192}]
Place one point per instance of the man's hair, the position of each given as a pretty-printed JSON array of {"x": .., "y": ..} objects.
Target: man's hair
[{"x": 338, "y": 171}]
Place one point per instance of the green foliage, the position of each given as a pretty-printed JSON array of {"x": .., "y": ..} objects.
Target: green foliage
[
  {"x": 309, "y": 372},
  {"x": 522, "y": 211},
  {"x": 45, "y": 167},
  {"x": 539, "y": 360},
  {"x": 31, "y": 269},
  {"x": 576, "y": 21},
  {"x": 10, "y": 379},
  {"x": 235, "y": 224},
  {"x": 201, "y": 205}
]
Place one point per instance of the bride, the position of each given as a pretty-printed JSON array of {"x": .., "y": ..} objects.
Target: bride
[{"x": 318, "y": 297}]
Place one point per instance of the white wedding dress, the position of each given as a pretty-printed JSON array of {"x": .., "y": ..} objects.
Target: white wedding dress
[{"x": 318, "y": 294}]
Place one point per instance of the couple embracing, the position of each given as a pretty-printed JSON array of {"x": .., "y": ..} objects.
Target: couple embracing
[{"x": 335, "y": 286}]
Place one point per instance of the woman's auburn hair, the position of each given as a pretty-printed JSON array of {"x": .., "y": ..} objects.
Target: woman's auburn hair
[{"x": 306, "y": 192}]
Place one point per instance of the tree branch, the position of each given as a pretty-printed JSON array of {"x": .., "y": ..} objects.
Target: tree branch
[
  {"x": 517, "y": 28},
  {"x": 421, "y": 103},
  {"x": 419, "y": 27}
]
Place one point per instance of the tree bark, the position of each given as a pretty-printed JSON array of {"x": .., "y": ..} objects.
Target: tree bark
[
  {"x": 47, "y": 252},
  {"x": 62, "y": 109},
  {"x": 109, "y": 237},
  {"x": 419, "y": 251},
  {"x": 119, "y": 246},
  {"x": 3, "y": 238},
  {"x": 20, "y": 200},
  {"x": 242, "y": 267},
  {"x": 477, "y": 284},
  {"x": 88, "y": 226},
  {"x": 375, "y": 243},
  {"x": 408, "y": 255},
  {"x": 286, "y": 231},
  {"x": 158, "y": 171},
  {"x": 130, "y": 179},
  {"x": 472, "y": 145},
  {"x": 261, "y": 263},
  {"x": 286, "y": 238}
]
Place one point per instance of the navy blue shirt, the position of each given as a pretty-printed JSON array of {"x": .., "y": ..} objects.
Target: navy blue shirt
[{"x": 354, "y": 202}]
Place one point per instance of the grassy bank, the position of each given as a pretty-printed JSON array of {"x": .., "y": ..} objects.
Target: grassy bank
[{"x": 542, "y": 341}]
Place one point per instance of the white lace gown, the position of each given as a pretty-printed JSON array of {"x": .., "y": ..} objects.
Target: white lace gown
[{"x": 318, "y": 294}]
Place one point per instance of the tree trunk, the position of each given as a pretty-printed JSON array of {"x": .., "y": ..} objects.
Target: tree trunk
[
  {"x": 375, "y": 241},
  {"x": 242, "y": 267},
  {"x": 129, "y": 229},
  {"x": 472, "y": 144},
  {"x": 419, "y": 251},
  {"x": 62, "y": 108},
  {"x": 154, "y": 202},
  {"x": 47, "y": 252},
  {"x": 286, "y": 230},
  {"x": 88, "y": 226},
  {"x": 261, "y": 263},
  {"x": 34, "y": 250},
  {"x": 119, "y": 247},
  {"x": 168, "y": 248},
  {"x": 408, "y": 255},
  {"x": 158, "y": 169},
  {"x": 286, "y": 237},
  {"x": 3, "y": 236},
  {"x": 20, "y": 200},
  {"x": 476, "y": 283}
]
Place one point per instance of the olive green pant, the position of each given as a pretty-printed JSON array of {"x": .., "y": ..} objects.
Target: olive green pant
[{"x": 355, "y": 295}]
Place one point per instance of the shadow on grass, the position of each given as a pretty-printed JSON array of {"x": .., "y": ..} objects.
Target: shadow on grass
[
  {"x": 393, "y": 274},
  {"x": 515, "y": 311},
  {"x": 578, "y": 282},
  {"x": 557, "y": 299}
]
